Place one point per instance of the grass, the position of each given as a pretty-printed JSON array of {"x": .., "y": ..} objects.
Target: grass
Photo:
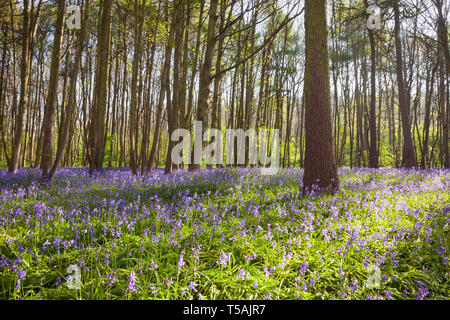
[{"x": 225, "y": 234}]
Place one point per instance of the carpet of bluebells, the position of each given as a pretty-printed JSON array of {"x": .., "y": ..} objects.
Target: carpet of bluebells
[{"x": 224, "y": 234}]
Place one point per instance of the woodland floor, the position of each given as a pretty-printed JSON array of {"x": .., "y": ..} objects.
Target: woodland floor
[{"x": 225, "y": 234}]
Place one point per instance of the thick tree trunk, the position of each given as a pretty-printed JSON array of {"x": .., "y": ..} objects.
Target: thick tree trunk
[{"x": 320, "y": 163}]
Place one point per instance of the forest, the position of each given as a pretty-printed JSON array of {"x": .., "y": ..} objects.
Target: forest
[{"x": 134, "y": 137}]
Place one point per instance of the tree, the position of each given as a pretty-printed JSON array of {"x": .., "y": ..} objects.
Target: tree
[
  {"x": 47, "y": 126},
  {"x": 70, "y": 105},
  {"x": 24, "y": 77},
  {"x": 97, "y": 129},
  {"x": 320, "y": 163},
  {"x": 408, "y": 156},
  {"x": 139, "y": 16},
  {"x": 373, "y": 154},
  {"x": 205, "y": 72},
  {"x": 162, "y": 92},
  {"x": 173, "y": 107}
]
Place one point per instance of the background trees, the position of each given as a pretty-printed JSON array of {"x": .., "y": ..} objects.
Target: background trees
[{"x": 139, "y": 69}]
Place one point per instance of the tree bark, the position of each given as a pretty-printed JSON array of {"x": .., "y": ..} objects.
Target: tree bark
[
  {"x": 101, "y": 88},
  {"x": 139, "y": 21},
  {"x": 408, "y": 156},
  {"x": 205, "y": 72},
  {"x": 23, "y": 102},
  {"x": 373, "y": 153},
  {"x": 47, "y": 126},
  {"x": 62, "y": 142},
  {"x": 320, "y": 163}
]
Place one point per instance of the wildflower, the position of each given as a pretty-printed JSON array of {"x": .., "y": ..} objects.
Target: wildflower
[
  {"x": 388, "y": 294},
  {"x": 353, "y": 286},
  {"x": 181, "y": 262},
  {"x": 267, "y": 296},
  {"x": 169, "y": 281},
  {"x": 45, "y": 244},
  {"x": 224, "y": 258},
  {"x": 423, "y": 291},
  {"x": 192, "y": 286},
  {"x": 3, "y": 261},
  {"x": 107, "y": 255},
  {"x": 303, "y": 268},
  {"x": 58, "y": 281},
  {"x": 153, "y": 266},
  {"x": 405, "y": 292},
  {"x": 111, "y": 278},
  {"x": 268, "y": 271},
  {"x": 132, "y": 282},
  {"x": 250, "y": 258},
  {"x": 20, "y": 276},
  {"x": 242, "y": 275},
  {"x": 311, "y": 280},
  {"x": 446, "y": 209},
  {"x": 153, "y": 289},
  {"x": 195, "y": 252}
]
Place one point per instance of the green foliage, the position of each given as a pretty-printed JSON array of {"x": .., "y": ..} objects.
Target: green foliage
[{"x": 391, "y": 218}]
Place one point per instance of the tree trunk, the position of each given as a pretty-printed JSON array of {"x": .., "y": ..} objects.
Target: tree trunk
[
  {"x": 101, "y": 89},
  {"x": 47, "y": 126},
  {"x": 23, "y": 102},
  {"x": 320, "y": 163},
  {"x": 139, "y": 21},
  {"x": 205, "y": 72},
  {"x": 172, "y": 108},
  {"x": 62, "y": 142},
  {"x": 162, "y": 93},
  {"x": 373, "y": 153},
  {"x": 408, "y": 157}
]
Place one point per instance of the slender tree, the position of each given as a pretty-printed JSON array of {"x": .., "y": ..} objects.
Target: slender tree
[
  {"x": 205, "y": 72},
  {"x": 101, "y": 89},
  {"x": 70, "y": 104},
  {"x": 47, "y": 126},
  {"x": 408, "y": 157},
  {"x": 373, "y": 154},
  {"x": 24, "y": 77}
]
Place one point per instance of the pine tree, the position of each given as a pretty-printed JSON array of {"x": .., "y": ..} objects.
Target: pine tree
[{"x": 320, "y": 163}]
